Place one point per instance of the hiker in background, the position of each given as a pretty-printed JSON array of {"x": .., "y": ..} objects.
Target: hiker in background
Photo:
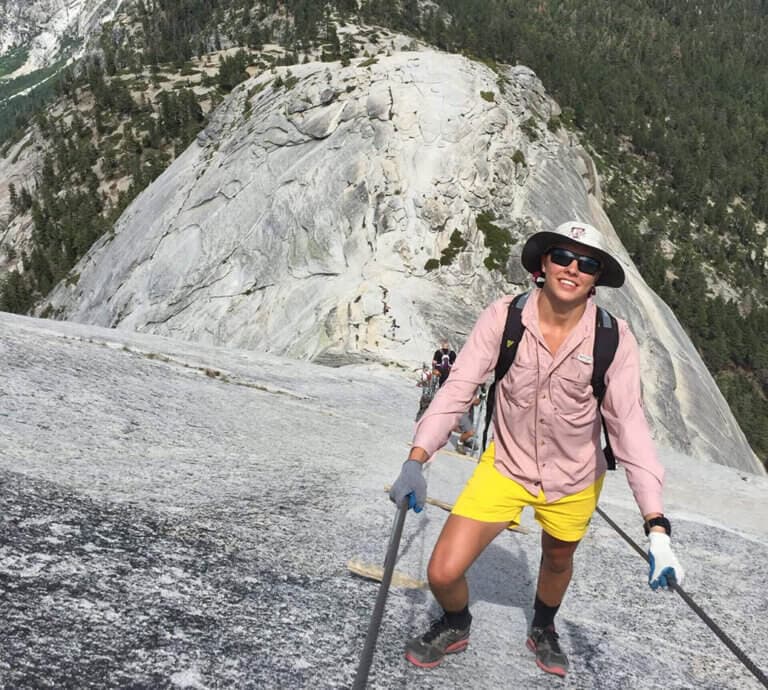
[
  {"x": 468, "y": 443},
  {"x": 443, "y": 360},
  {"x": 428, "y": 382},
  {"x": 546, "y": 450}
]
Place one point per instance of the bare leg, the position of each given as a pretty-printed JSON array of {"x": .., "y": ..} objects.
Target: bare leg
[
  {"x": 459, "y": 544},
  {"x": 556, "y": 569}
]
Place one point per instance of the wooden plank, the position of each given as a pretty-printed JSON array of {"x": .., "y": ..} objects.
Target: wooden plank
[{"x": 376, "y": 572}]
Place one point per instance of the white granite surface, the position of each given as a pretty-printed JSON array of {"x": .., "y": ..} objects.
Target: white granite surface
[{"x": 177, "y": 515}]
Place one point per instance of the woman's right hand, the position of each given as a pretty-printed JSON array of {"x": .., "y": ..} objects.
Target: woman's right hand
[{"x": 410, "y": 487}]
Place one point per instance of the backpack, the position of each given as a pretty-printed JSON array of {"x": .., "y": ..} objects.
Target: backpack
[{"x": 606, "y": 342}]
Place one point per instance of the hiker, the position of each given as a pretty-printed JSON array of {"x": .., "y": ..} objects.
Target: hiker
[
  {"x": 546, "y": 449},
  {"x": 443, "y": 360},
  {"x": 428, "y": 381},
  {"x": 467, "y": 443}
]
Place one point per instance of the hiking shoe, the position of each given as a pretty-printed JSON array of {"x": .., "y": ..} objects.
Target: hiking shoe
[
  {"x": 543, "y": 642},
  {"x": 430, "y": 649}
]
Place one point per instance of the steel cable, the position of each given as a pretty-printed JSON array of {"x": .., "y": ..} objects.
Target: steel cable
[{"x": 727, "y": 641}]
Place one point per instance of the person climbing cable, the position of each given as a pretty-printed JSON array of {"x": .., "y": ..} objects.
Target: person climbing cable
[{"x": 443, "y": 360}]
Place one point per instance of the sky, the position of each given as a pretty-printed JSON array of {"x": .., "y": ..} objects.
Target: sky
[{"x": 176, "y": 515}]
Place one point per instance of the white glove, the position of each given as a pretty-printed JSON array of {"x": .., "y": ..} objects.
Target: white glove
[{"x": 664, "y": 563}]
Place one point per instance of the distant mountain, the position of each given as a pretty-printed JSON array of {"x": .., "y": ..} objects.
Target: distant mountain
[
  {"x": 37, "y": 41},
  {"x": 36, "y": 35}
]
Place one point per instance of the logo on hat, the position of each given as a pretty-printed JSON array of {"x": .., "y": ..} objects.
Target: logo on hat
[{"x": 576, "y": 232}]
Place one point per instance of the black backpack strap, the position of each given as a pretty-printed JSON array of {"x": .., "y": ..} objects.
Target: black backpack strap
[
  {"x": 513, "y": 332},
  {"x": 606, "y": 343}
]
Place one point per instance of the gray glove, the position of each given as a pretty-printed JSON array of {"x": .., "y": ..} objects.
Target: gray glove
[{"x": 410, "y": 486}]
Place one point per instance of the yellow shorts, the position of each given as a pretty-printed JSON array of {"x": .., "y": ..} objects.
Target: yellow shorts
[{"x": 489, "y": 496}]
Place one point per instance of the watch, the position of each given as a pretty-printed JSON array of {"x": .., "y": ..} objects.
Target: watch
[{"x": 657, "y": 522}]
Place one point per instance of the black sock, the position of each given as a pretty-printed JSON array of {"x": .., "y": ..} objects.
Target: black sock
[
  {"x": 459, "y": 619},
  {"x": 543, "y": 615}
]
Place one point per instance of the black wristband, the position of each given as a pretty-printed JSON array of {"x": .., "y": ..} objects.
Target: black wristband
[{"x": 657, "y": 522}]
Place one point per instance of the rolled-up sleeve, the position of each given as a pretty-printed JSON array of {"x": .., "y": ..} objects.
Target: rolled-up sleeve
[
  {"x": 474, "y": 364},
  {"x": 628, "y": 428}
]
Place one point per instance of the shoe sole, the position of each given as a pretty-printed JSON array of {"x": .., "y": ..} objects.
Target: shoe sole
[
  {"x": 454, "y": 648},
  {"x": 555, "y": 670}
]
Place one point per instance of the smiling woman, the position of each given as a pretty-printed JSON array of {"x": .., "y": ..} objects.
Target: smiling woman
[{"x": 546, "y": 453}]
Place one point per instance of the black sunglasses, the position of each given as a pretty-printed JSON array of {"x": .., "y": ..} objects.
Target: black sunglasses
[{"x": 564, "y": 257}]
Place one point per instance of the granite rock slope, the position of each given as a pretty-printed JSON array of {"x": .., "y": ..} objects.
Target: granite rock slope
[{"x": 174, "y": 515}]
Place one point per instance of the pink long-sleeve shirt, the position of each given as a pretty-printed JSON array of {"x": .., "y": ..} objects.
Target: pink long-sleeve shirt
[{"x": 546, "y": 425}]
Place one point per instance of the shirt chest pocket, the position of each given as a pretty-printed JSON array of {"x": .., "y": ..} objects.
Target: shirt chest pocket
[
  {"x": 519, "y": 385},
  {"x": 571, "y": 386}
]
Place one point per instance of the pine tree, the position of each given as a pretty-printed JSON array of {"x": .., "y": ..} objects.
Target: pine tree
[{"x": 13, "y": 198}]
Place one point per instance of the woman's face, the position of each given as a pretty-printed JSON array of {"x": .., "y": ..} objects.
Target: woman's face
[{"x": 571, "y": 271}]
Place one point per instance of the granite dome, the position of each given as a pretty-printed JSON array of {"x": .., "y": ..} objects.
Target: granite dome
[{"x": 301, "y": 221}]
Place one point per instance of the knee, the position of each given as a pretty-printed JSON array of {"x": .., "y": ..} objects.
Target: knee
[
  {"x": 442, "y": 574},
  {"x": 557, "y": 562}
]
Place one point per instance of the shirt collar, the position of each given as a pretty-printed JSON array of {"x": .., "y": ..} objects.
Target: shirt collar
[{"x": 530, "y": 319}]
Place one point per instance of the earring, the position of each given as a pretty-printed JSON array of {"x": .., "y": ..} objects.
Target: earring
[{"x": 538, "y": 278}]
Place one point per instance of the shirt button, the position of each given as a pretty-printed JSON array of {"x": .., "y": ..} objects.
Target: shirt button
[
  {"x": 544, "y": 397},
  {"x": 536, "y": 483},
  {"x": 541, "y": 421},
  {"x": 543, "y": 442}
]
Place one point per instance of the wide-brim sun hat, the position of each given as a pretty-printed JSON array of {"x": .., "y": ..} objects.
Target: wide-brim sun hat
[{"x": 576, "y": 232}]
